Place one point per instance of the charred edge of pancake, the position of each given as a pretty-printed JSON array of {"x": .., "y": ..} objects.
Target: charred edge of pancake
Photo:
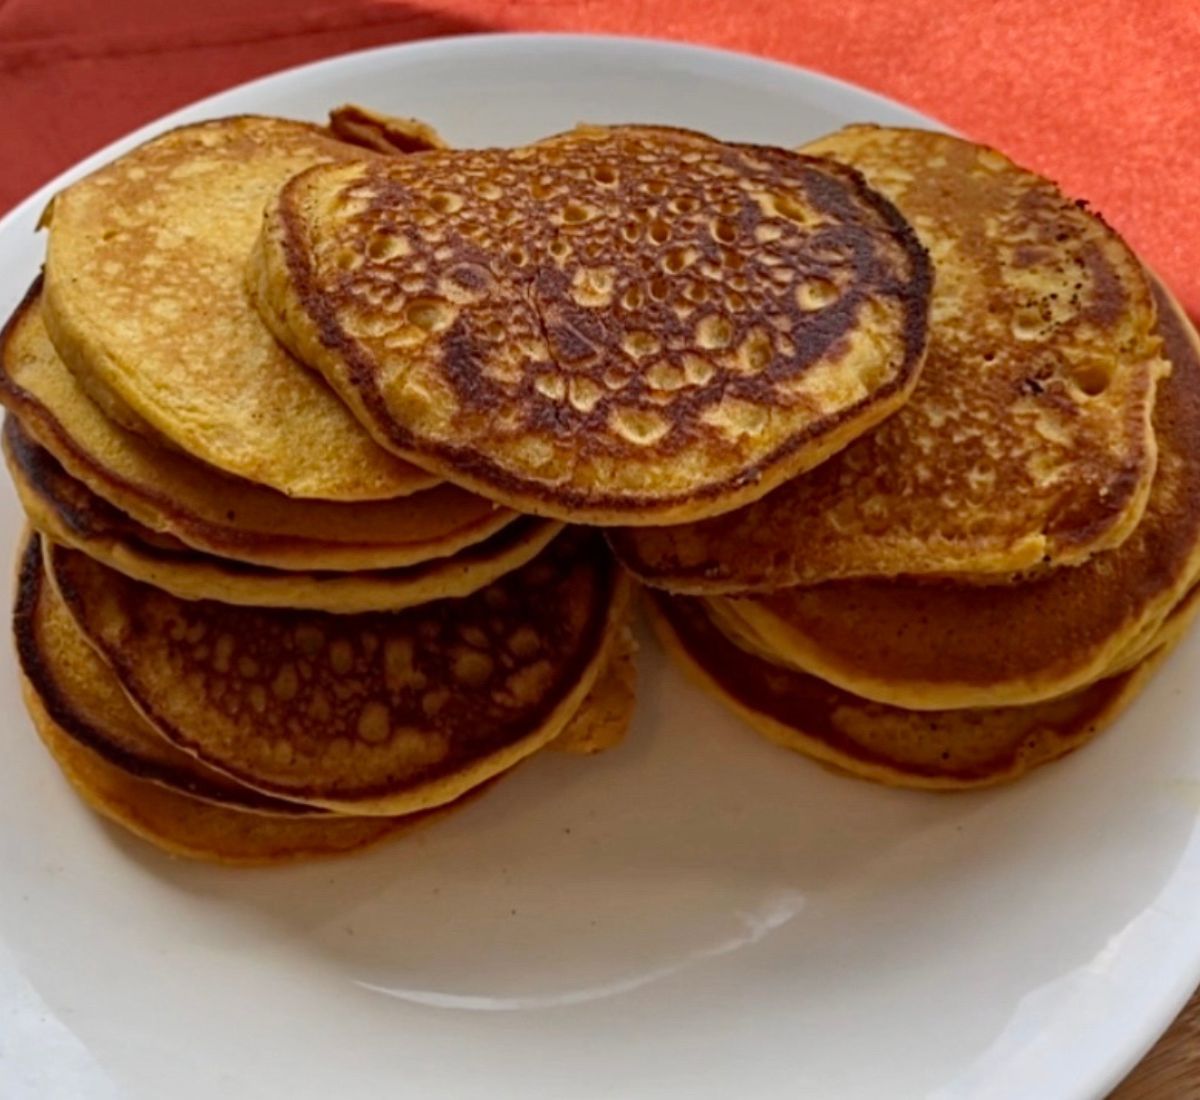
[
  {"x": 1178, "y": 343},
  {"x": 507, "y": 538},
  {"x": 100, "y": 519},
  {"x": 89, "y": 517},
  {"x": 24, "y": 408},
  {"x": 591, "y": 647},
  {"x": 914, "y": 296},
  {"x": 738, "y": 675},
  {"x": 31, "y": 590}
]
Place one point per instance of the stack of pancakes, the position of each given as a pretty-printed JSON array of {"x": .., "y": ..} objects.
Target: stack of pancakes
[
  {"x": 980, "y": 584},
  {"x": 315, "y": 428},
  {"x": 249, "y": 633}
]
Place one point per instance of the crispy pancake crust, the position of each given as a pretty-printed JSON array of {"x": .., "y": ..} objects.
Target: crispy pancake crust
[
  {"x": 947, "y": 750},
  {"x": 145, "y": 301},
  {"x": 1027, "y": 442},
  {"x": 626, "y": 324},
  {"x": 369, "y": 714},
  {"x": 66, "y": 512},
  {"x": 211, "y": 512},
  {"x": 941, "y": 646}
]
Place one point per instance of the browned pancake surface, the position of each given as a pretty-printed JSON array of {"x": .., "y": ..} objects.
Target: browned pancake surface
[
  {"x": 195, "y": 829},
  {"x": 616, "y": 324}
]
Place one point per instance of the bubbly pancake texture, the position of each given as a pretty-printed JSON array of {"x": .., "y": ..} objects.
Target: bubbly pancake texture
[
  {"x": 145, "y": 300},
  {"x": 627, "y": 324},
  {"x": 1027, "y": 442},
  {"x": 945, "y": 750},
  {"x": 67, "y": 512},
  {"x": 940, "y": 646},
  {"x": 79, "y": 694},
  {"x": 370, "y": 714}
]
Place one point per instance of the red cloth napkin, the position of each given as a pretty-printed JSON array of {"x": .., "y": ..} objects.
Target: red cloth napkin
[{"x": 1098, "y": 94}]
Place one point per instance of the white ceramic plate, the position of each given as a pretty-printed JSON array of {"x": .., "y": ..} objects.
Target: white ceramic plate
[{"x": 696, "y": 915}]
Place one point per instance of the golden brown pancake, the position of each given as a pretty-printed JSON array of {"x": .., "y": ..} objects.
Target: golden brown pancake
[
  {"x": 944, "y": 750},
  {"x": 145, "y": 300},
  {"x": 1027, "y": 442},
  {"x": 66, "y": 512},
  {"x": 368, "y": 714},
  {"x": 77, "y": 692},
  {"x": 939, "y": 646},
  {"x": 614, "y": 325},
  {"x": 167, "y": 491},
  {"x": 81, "y": 697}
]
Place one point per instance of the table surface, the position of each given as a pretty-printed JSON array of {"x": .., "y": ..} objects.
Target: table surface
[{"x": 1098, "y": 95}]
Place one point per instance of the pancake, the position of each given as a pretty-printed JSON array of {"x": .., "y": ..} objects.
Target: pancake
[
  {"x": 65, "y": 511},
  {"x": 211, "y": 512},
  {"x": 79, "y": 695},
  {"x": 614, "y": 325},
  {"x": 145, "y": 300},
  {"x": 1167, "y": 630},
  {"x": 940, "y": 646},
  {"x": 1027, "y": 442},
  {"x": 370, "y": 714},
  {"x": 946, "y": 750}
]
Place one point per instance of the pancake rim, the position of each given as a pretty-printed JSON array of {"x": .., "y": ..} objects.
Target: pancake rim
[
  {"x": 1125, "y": 687},
  {"x": 193, "y": 575}
]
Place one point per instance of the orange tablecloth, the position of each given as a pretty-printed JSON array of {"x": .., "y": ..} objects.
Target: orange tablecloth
[{"x": 1099, "y": 94}]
